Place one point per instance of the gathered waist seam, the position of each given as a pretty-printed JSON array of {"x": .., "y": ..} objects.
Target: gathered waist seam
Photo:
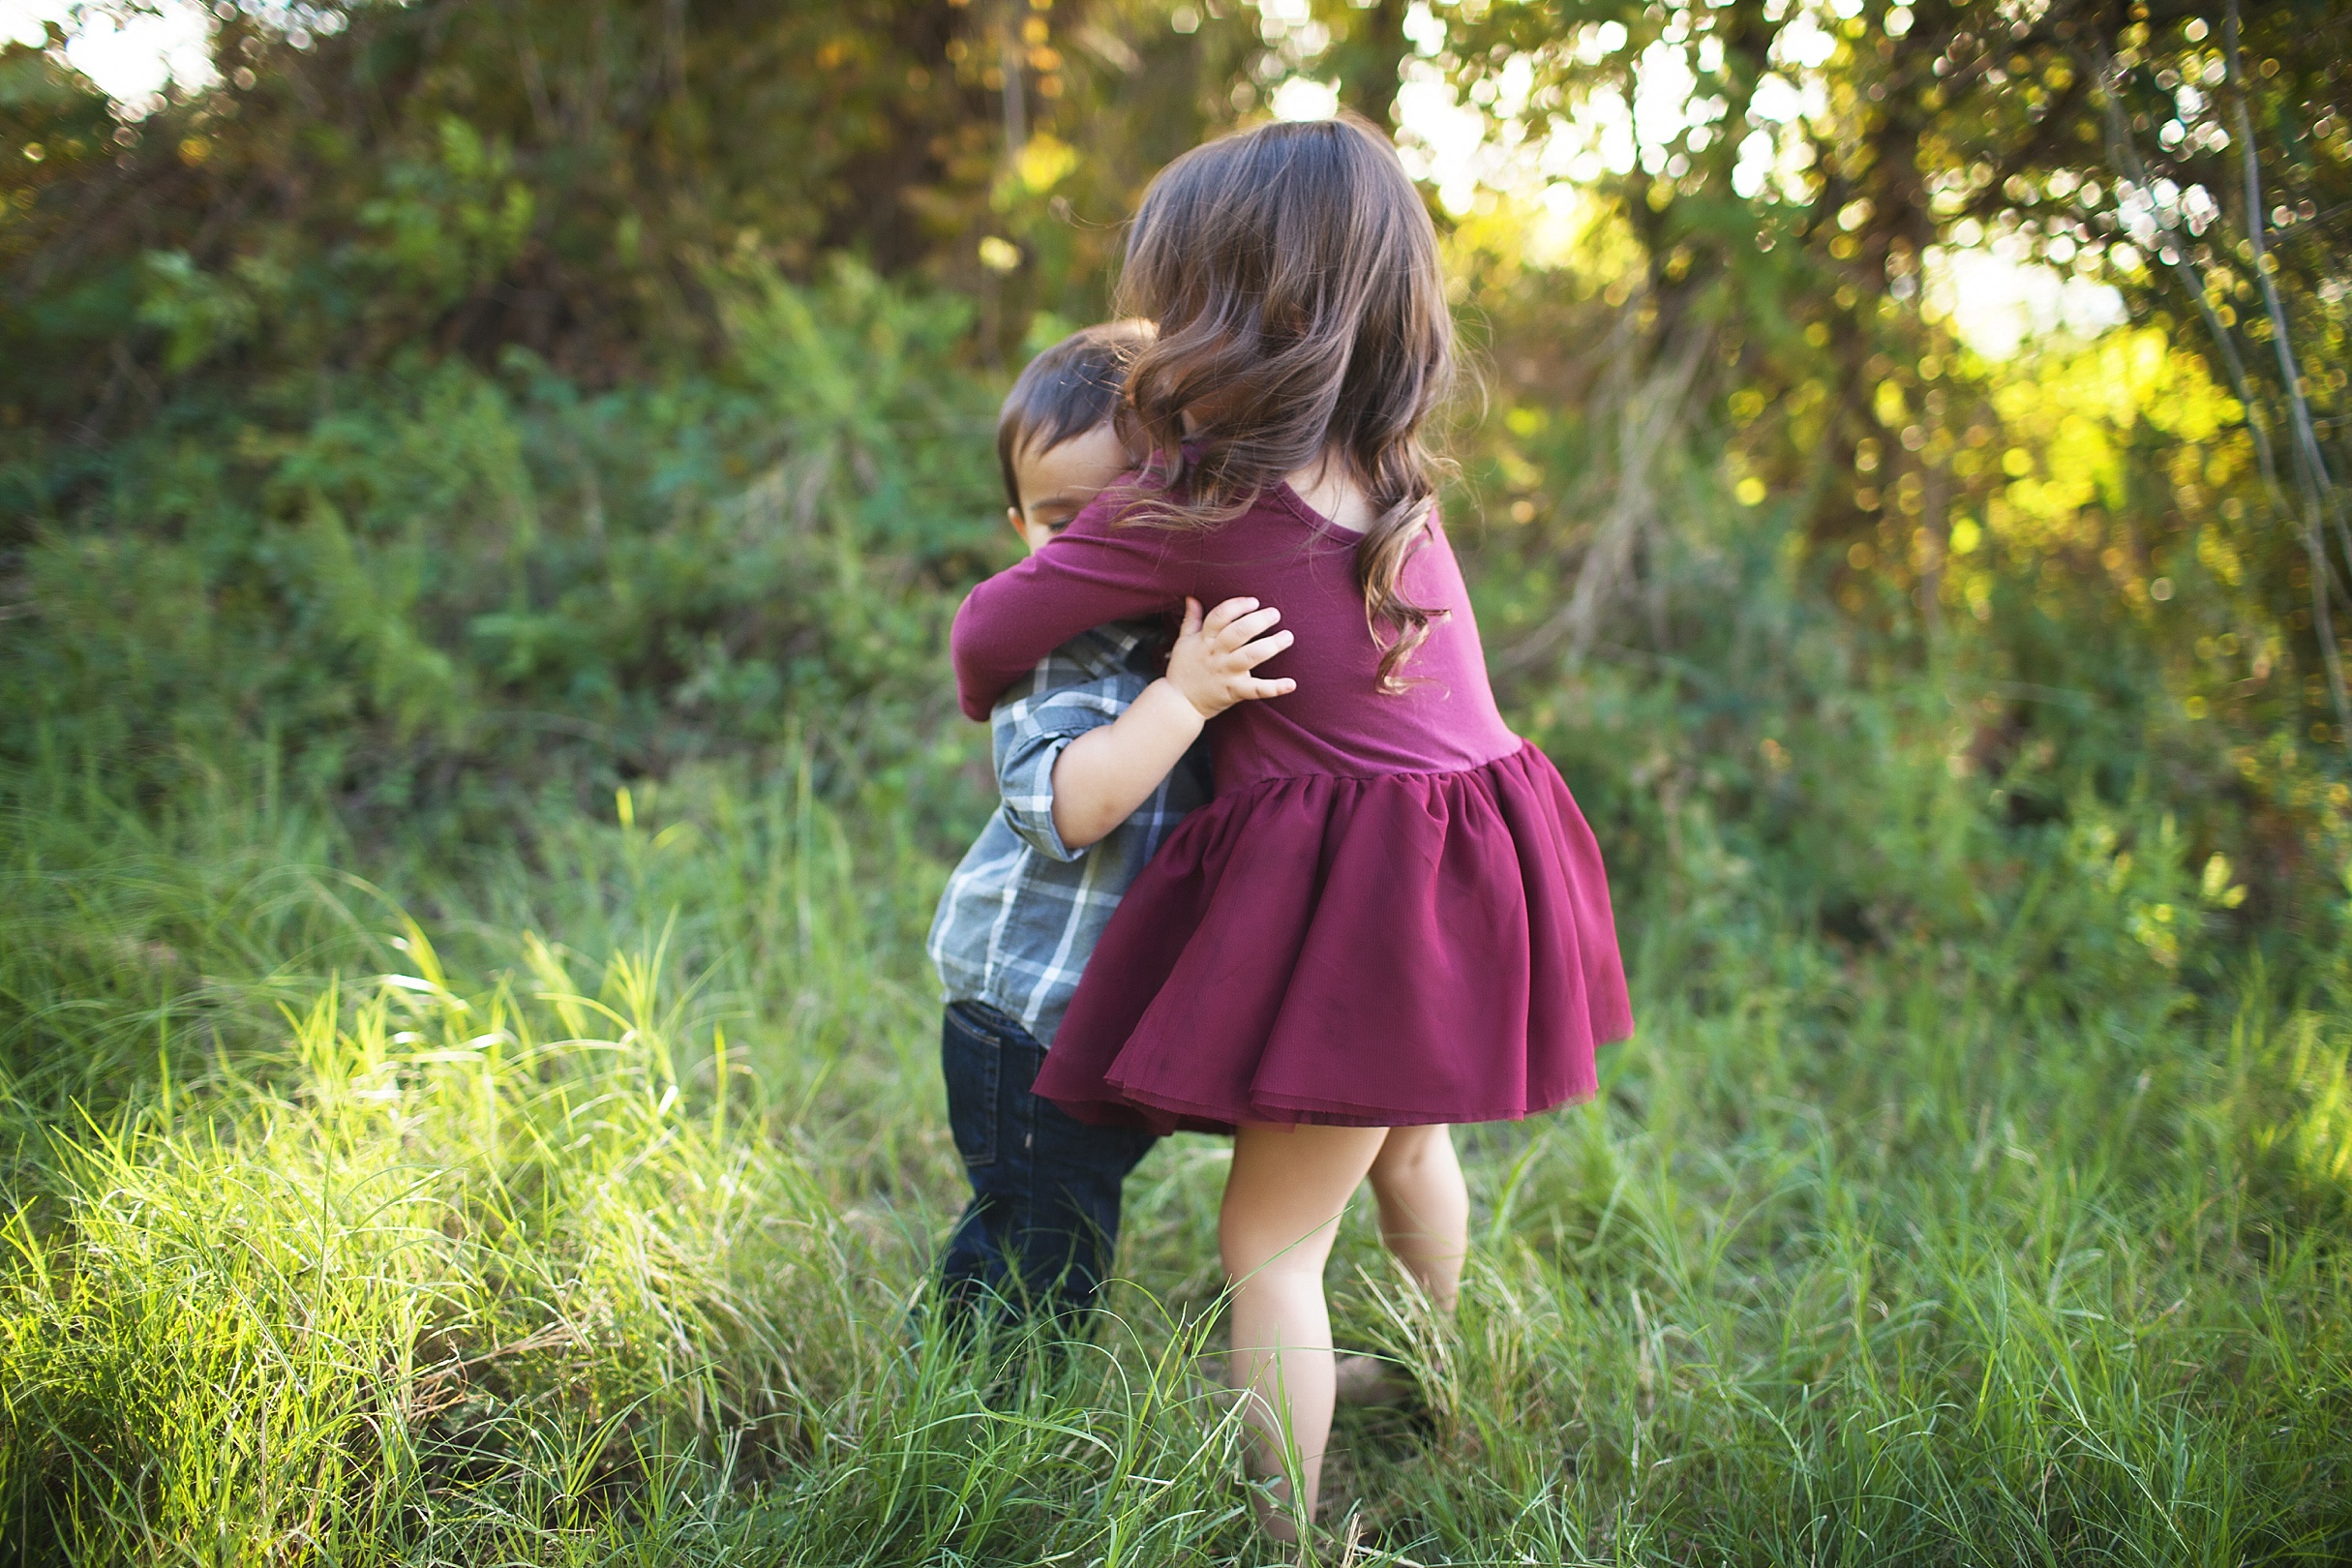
[{"x": 1521, "y": 749}]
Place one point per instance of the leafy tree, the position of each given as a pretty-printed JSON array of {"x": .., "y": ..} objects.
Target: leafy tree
[
  {"x": 460, "y": 400},
  {"x": 1792, "y": 185},
  {"x": 564, "y": 177}
]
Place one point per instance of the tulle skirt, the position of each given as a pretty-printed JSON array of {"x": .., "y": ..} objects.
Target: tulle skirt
[{"x": 1376, "y": 951}]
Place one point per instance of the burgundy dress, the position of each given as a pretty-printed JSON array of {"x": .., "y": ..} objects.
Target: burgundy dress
[{"x": 1393, "y": 911}]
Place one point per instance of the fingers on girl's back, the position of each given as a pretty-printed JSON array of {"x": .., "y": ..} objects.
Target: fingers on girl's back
[
  {"x": 1243, "y": 628},
  {"x": 1237, "y": 631},
  {"x": 1264, "y": 648},
  {"x": 1227, "y": 612}
]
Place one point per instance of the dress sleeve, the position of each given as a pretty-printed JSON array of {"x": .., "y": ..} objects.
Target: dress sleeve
[{"x": 1092, "y": 574}]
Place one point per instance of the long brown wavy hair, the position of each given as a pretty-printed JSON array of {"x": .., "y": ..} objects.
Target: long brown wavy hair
[{"x": 1294, "y": 274}]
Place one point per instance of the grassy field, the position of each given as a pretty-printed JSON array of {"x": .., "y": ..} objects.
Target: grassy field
[
  {"x": 574, "y": 1213},
  {"x": 417, "y": 1152}
]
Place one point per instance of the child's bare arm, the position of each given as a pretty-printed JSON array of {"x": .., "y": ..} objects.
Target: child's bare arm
[{"x": 1105, "y": 774}]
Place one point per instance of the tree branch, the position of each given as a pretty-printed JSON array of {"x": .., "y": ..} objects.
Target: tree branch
[{"x": 2311, "y": 465}]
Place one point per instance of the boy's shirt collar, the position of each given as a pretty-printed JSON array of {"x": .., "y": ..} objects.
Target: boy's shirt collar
[{"x": 1118, "y": 647}]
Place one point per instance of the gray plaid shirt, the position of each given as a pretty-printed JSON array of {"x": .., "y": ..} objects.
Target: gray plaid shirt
[{"x": 1023, "y": 910}]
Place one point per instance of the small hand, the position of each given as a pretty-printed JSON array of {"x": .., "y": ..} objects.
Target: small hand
[{"x": 1215, "y": 655}]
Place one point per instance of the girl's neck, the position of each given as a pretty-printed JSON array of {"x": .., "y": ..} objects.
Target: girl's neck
[{"x": 1326, "y": 487}]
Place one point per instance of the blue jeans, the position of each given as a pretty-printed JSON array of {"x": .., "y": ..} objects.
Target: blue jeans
[{"x": 1044, "y": 1222}]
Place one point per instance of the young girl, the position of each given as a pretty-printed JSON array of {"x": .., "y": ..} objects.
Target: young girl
[{"x": 1392, "y": 916}]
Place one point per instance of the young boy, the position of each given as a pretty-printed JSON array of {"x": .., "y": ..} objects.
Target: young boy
[{"x": 1098, "y": 756}]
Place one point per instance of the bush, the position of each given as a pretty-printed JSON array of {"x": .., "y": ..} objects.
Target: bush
[{"x": 445, "y": 588}]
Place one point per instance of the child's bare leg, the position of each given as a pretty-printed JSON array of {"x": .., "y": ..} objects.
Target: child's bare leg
[
  {"x": 1424, "y": 1208},
  {"x": 1281, "y": 1208},
  {"x": 1425, "y": 1217}
]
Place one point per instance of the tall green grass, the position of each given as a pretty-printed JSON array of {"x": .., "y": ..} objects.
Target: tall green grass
[{"x": 576, "y": 1210}]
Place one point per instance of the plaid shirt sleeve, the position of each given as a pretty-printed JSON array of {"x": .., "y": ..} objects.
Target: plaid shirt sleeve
[{"x": 1028, "y": 734}]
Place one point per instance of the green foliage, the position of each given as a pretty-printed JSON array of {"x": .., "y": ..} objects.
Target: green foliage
[
  {"x": 585, "y": 1223},
  {"x": 481, "y": 494},
  {"x": 447, "y": 583},
  {"x": 1782, "y": 247},
  {"x": 563, "y": 178}
]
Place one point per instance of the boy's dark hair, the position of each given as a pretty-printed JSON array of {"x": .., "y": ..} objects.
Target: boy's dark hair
[{"x": 1065, "y": 391}]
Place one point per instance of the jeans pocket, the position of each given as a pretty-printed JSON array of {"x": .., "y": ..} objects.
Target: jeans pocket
[{"x": 971, "y": 1060}]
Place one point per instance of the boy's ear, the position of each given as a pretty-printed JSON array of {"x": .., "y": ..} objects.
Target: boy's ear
[
  {"x": 1130, "y": 431},
  {"x": 1012, "y": 516}
]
